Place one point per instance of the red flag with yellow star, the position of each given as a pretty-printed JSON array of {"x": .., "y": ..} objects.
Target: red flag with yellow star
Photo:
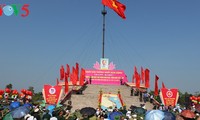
[{"x": 118, "y": 7}]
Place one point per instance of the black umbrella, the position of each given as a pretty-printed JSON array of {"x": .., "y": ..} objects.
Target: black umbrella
[
  {"x": 169, "y": 116},
  {"x": 133, "y": 108},
  {"x": 88, "y": 111},
  {"x": 139, "y": 110}
]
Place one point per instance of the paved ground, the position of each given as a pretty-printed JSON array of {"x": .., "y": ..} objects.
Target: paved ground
[{"x": 91, "y": 92}]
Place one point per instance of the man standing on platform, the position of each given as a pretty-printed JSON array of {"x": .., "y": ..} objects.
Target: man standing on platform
[
  {"x": 131, "y": 91},
  {"x": 90, "y": 80},
  {"x": 121, "y": 81}
]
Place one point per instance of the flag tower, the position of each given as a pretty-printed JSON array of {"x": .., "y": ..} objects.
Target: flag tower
[
  {"x": 118, "y": 7},
  {"x": 103, "y": 12}
]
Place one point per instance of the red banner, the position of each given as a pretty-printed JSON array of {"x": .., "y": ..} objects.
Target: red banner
[
  {"x": 52, "y": 94},
  {"x": 169, "y": 96},
  {"x": 105, "y": 75}
]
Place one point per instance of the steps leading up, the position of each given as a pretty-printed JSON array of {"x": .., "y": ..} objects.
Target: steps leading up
[{"x": 91, "y": 93}]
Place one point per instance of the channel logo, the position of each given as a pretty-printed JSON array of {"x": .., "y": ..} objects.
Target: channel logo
[{"x": 16, "y": 9}]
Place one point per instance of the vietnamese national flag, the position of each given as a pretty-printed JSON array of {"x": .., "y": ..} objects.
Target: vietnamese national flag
[
  {"x": 147, "y": 77},
  {"x": 163, "y": 85},
  {"x": 156, "y": 85},
  {"x": 118, "y": 7}
]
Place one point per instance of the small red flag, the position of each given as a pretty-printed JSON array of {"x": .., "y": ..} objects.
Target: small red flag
[
  {"x": 135, "y": 71},
  {"x": 133, "y": 78},
  {"x": 82, "y": 77},
  {"x": 74, "y": 76},
  {"x": 134, "y": 74},
  {"x": 57, "y": 82},
  {"x": 163, "y": 85},
  {"x": 142, "y": 75},
  {"x": 62, "y": 72},
  {"x": 147, "y": 77},
  {"x": 137, "y": 77},
  {"x": 66, "y": 83},
  {"x": 68, "y": 70},
  {"x": 118, "y": 7},
  {"x": 77, "y": 71},
  {"x": 156, "y": 85},
  {"x": 71, "y": 77}
]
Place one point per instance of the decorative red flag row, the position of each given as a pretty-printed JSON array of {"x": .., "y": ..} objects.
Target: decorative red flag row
[
  {"x": 118, "y": 7},
  {"x": 74, "y": 76},
  {"x": 143, "y": 78}
]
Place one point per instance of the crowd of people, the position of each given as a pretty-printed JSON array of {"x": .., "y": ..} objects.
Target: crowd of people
[{"x": 64, "y": 112}]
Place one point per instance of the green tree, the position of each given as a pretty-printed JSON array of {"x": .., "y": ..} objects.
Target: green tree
[
  {"x": 31, "y": 88},
  {"x": 9, "y": 86},
  {"x": 157, "y": 98},
  {"x": 183, "y": 98},
  {"x": 37, "y": 97}
]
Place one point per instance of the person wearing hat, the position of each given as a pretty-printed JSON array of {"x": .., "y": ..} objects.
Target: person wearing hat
[{"x": 46, "y": 116}]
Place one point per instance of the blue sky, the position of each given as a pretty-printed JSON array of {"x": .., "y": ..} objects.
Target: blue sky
[{"x": 162, "y": 35}]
